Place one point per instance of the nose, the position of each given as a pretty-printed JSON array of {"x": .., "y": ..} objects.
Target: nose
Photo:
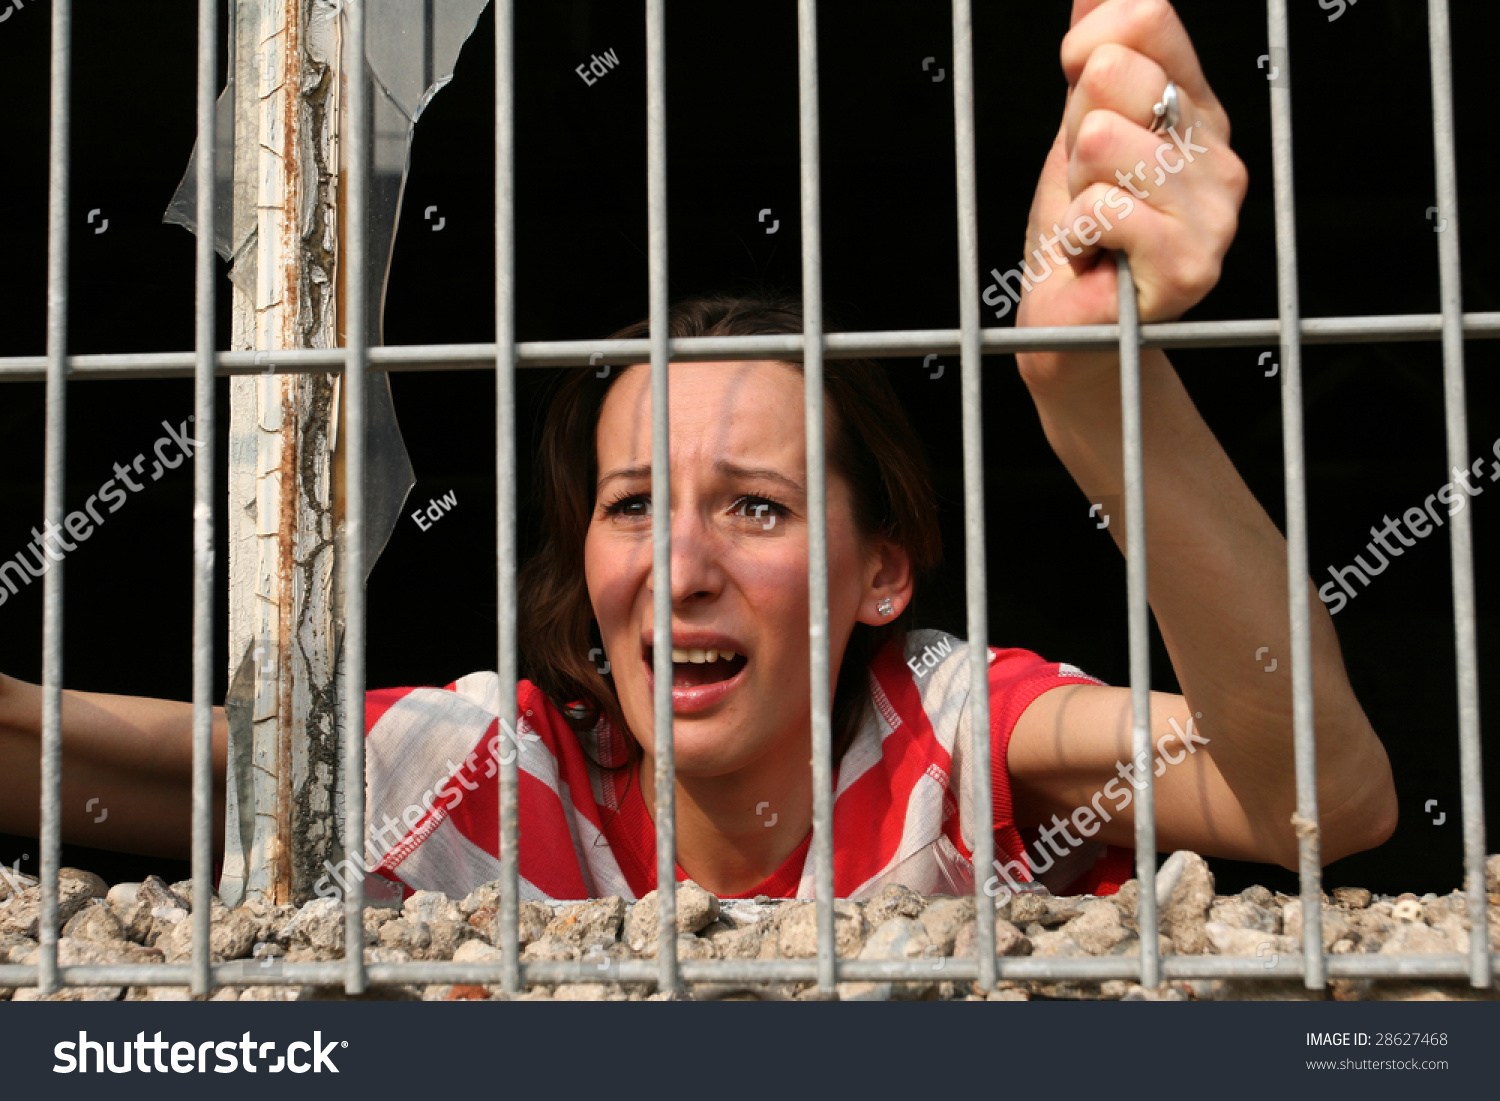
[{"x": 697, "y": 572}]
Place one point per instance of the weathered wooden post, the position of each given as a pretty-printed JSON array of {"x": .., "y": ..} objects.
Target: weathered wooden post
[
  {"x": 284, "y": 630},
  {"x": 282, "y": 165}
]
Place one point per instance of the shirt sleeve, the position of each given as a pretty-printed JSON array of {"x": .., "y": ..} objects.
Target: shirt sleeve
[{"x": 1017, "y": 678}]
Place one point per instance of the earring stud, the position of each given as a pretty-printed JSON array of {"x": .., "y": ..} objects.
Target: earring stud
[{"x": 884, "y": 607}]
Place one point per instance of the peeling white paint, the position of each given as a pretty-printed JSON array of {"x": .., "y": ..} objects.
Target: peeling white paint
[{"x": 282, "y": 540}]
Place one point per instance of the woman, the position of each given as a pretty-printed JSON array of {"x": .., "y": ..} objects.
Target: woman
[{"x": 1060, "y": 740}]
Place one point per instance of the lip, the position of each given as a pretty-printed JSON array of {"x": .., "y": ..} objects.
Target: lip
[{"x": 704, "y": 697}]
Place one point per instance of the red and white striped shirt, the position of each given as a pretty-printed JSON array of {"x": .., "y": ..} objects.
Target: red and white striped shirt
[{"x": 901, "y": 813}]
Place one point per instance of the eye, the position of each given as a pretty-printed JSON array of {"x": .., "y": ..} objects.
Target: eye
[
  {"x": 629, "y": 506},
  {"x": 762, "y": 512}
]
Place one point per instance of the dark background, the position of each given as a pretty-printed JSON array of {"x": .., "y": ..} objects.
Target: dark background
[{"x": 1374, "y": 414}]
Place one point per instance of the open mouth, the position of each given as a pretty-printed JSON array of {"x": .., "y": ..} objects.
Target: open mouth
[{"x": 693, "y": 668}]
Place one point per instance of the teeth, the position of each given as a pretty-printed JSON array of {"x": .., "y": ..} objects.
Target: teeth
[{"x": 699, "y": 657}]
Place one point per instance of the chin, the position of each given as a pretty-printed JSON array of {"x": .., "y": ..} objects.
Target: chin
[
  {"x": 707, "y": 745},
  {"x": 712, "y": 746}
]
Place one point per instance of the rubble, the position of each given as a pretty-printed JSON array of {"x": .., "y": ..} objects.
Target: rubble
[{"x": 150, "y": 922}]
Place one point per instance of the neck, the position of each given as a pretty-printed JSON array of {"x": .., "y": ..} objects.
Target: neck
[{"x": 735, "y": 830}]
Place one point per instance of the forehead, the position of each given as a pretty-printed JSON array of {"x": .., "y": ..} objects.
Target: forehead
[{"x": 737, "y": 410}]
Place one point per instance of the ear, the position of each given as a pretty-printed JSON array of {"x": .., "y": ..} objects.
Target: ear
[{"x": 888, "y": 576}]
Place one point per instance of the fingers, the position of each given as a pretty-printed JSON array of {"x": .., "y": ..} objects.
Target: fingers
[
  {"x": 1172, "y": 266},
  {"x": 1103, "y": 217},
  {"x": 1119, "y": 79},
  {"x": 1082, "y": 8},
  {"x": 1116, "y": 152},
  {"x": 1169, "y": 200},
  {"x": 1150, "y": 28}
]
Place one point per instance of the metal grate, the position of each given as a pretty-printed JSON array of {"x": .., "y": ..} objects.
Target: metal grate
[{"x": 505, "y": 355}]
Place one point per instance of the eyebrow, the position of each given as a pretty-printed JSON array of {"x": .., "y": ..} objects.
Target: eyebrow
[
  {"x": 624, "y": 472},
  {"x": 733, "y": 470}
]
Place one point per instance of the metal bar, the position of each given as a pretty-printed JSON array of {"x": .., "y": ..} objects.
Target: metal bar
[
  {"x": 204, "y": 465},
  {"x": 661, "y": 499},
  {"x": 1402, "y": 328},
  {"x": 976, "y": 581},
  {"x": 58, "y": 195},
  {"x": 1139, "y": 619},
  {"x": 509, "y": 918},
  {"x": 1471, "y": 770},
  {"x": 1437, "y": 965},
  {"x": 1445, "y": 965},
  {"x": 1304, "y": 740},
  {"x": 970, "y": 341},
  {"x": 356, "y": 142},
  {"x": 817, "y": 489}
]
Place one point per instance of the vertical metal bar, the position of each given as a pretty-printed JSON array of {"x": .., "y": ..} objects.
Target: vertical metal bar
[
  {"x": 817, "y": 491},
  {"x": 204, "y": 464},
  {"x": 661, "y": 499},
  {"x": 1290, "y": 310},
  {"x": 976, "y": 580},
  {"x": 1461, "y": 546},
  {"x": 354, "y": 497},
  {"x": 1140, "y": 618},
  {"x": 509, "y": 918},
  {"x": 55, "y": 457}
]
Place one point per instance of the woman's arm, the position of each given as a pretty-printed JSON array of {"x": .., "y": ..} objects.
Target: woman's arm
[
  {"x": 1217, "y": 583},
  {"x": 1216, "y": 562},
  {"x": 132, "y": 755}
]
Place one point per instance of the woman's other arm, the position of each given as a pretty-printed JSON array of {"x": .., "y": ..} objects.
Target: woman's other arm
[
  {"x": 1217, "y": 564},
  {"x": 1217, "y": 585},
  {"x": 133, "y": 755}
]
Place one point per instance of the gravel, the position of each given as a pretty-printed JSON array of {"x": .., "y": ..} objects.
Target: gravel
[
  {"x": 1097, "y": 928},
  {"x": 147, "y": 922}
]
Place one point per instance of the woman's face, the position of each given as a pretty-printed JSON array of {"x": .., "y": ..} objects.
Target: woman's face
[{"x": 739, "y": 562}]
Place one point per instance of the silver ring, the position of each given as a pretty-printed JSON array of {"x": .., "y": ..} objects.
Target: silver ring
[{"x": 1168, "y": 111}]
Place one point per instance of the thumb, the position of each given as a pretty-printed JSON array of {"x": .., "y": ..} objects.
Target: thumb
[{"x": 1081, "y": 8}]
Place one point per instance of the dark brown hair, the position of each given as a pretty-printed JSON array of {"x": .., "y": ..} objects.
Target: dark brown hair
[{"x": 870, "y": 444}]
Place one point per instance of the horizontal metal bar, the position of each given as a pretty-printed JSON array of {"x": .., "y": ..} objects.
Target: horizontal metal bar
[
  {"x": 1377, "y": 328},
  {"x": 1444, "y": 965}
]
